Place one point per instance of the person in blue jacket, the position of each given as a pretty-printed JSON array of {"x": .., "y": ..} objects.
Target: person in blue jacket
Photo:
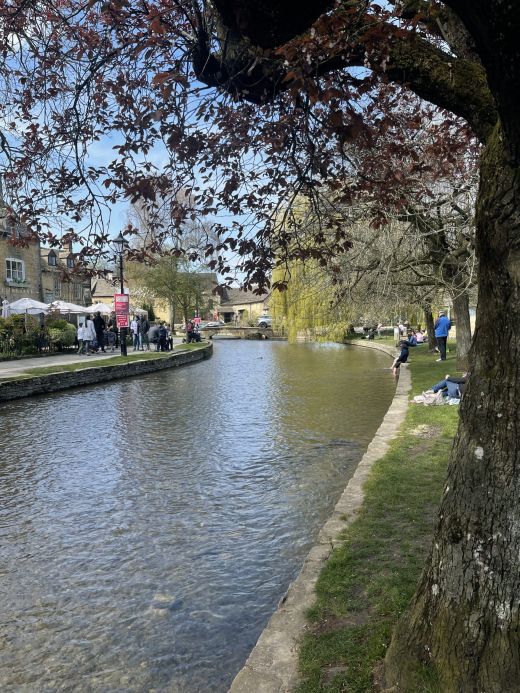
[{"x": 442, "y": 329}]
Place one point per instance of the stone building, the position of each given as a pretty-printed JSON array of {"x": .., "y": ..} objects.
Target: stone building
[
  {"x": 59, "y": 281},
  {"x": 19, "y": 262},
  {"x": 239, "y": 306}
]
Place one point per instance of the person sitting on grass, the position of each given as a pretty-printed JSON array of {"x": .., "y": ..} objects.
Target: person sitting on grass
[
  {"x": 411, "y": 339},
  {"x": 452, "y": 384},
  {"x": 402, "y": 358}
]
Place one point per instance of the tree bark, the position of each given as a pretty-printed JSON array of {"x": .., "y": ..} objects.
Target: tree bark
[
  {"x": 463, "y": 325},
  {"x": 464, "y": 619},
  {"x": 430, "y": 327}
]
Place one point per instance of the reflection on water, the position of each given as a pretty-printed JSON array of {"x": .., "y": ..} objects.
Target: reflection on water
[{"x": 149, "y": 527}]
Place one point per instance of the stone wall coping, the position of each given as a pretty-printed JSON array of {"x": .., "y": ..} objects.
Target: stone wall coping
[
  {"x": 63, "y": 380},
  {"x": 272, "y": 666}
]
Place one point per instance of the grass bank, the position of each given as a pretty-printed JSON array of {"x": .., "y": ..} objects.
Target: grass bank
[
  {"x": 93, "y": 362},
  {"x": 369, "y": 580}
]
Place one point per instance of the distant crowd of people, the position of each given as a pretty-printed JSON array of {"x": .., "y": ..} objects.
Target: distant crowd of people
[{"x": 94, "y": 334}]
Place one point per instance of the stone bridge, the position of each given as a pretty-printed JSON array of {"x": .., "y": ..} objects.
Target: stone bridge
[{"x": 232, "y": 332}]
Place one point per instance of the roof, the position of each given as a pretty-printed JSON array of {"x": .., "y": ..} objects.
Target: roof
[
  {"x": 232, "y": 296},
  {"x": 100, "y": 286}
]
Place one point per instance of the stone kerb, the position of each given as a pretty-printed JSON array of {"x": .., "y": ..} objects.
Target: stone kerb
[
  {"x": 54, "y": 382},
  {"x": 272, "y": 666}
]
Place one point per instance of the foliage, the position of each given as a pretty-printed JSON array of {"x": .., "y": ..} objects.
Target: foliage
[
  {"x": 183, "y": 286},
  {"x": 307, "y": 307},
  {"x": 151, "y": 313},
  {"x": 60, "y": 337},
  {"x": 56, "y": 323},
  {"x": 18, "y": 335},
  {"x": 274, "y": 125}
]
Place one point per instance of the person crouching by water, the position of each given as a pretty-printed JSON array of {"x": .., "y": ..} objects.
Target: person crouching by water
[{"x": 402, "y": 358}]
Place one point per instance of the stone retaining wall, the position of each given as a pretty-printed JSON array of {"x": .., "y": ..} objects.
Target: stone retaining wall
[
  {"x": 272, "y": 666},
  {"x": 89, "y": 376}
]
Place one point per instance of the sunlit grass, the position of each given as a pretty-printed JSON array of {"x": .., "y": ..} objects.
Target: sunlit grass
[{"x": 368, "y": 582}]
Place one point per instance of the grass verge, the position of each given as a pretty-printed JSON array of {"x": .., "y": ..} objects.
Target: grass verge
[
  {"x": 370, "y": 579},
  {"x": 92, "y": 362}
]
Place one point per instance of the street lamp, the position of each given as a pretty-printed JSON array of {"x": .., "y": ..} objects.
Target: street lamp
[{"x": 120, "y": 244}]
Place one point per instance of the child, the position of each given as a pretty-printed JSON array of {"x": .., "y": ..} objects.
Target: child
[
  {"x": 402, "y": 358},
  {"x": 80, "y": 334},
  {"x": 110, "y": 339}
]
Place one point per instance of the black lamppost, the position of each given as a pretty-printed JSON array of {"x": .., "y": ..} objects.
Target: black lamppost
[{"x": 120, "y": 244}]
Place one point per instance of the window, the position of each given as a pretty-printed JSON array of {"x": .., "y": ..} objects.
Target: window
[
  {"x": 51, "y": 259},
  {"x": 70, "y": 262},
  {"x": 78, "y": 290},
  {"x": 57, "y": 286},
  {"x": 14, "y": 270}
]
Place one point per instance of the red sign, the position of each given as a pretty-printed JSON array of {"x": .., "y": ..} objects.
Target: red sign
[
  {"x": 121, "y": 304},
  {"x": 122, "y": 320}
]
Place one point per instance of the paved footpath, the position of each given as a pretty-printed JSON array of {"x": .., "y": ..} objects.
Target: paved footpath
[{"x": 8, "y": 368}]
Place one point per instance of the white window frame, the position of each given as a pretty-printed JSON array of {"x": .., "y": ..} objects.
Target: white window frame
[{"x": 12, "y": 274}]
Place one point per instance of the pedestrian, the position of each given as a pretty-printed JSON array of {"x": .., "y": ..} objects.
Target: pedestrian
[
  {"x": 442, "y": 329},
  {"x": 110, "y": 339},
  {"x": 143, "y": 328},
  {"x": 100, "y": 326},
  {"x": 80, "y": 334},
  {"x": 163, "y": 335},
  {"x": 153, "y": 336},
  {"x": 89, "y": 334},
  {"x": 134, "y": 330}
]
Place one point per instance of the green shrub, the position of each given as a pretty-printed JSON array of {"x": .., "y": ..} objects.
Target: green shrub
[
  {"x": 62, "y": 337},
  {"x": 56, "y": 323}
]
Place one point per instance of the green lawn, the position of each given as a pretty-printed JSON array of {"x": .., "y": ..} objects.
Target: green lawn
[
  {"x": 93, "y": 362},
  {"x": 369, "y": 580}
]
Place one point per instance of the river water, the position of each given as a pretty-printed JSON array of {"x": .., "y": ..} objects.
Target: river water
[{"x": 149, "y": 527}]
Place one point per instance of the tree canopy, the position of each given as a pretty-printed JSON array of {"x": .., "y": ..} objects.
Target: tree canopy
[{"x": 233, "y": 110}]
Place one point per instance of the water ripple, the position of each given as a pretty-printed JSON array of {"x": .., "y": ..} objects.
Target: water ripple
[{"x": 149, "y": 527}]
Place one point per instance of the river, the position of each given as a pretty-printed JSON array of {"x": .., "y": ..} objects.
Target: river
[{"x": 149, "y": 527}]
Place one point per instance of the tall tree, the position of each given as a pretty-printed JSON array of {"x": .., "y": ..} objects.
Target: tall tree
[{"x": 303, "y": 82}]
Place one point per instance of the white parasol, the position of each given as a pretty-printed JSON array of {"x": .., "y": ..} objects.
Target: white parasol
[
  {"x": 5, "y": 308},
  {"x": 103, "y": 308},
  {"x": 65, "y": 307},
  {"x": 28, "y": 306}
]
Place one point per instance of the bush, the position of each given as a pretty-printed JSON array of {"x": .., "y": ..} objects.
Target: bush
[
  {"x": 62, "y": 337},
  {"x": 56, "y": 323}
]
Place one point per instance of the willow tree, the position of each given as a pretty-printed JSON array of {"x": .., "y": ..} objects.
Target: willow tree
[
  {"x": 308, "y": 305},
  {"x": 303, "y": 81}
]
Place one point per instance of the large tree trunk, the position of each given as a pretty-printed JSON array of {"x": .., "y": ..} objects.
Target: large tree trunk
[
  {"x": 465, "y": 616},
  {"x": 463, "y": 324},
  {"x": 430, "y": 327}
]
